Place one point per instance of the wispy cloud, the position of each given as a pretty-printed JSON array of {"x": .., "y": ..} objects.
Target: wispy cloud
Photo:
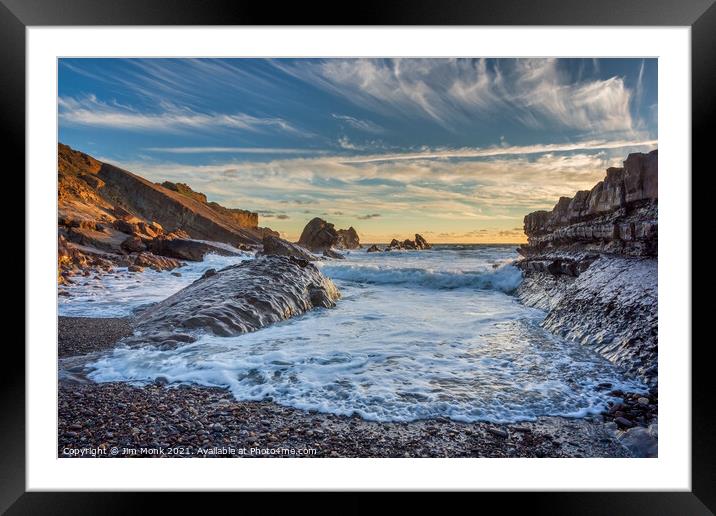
[
  {"x": 504, "y": 150},
  {"x": 90, "y": 111},
  {"x": 233, "y": 150},
  {"x": 535, "y": 92},
  {"x": 361, "y": 125},
  {"x": 368, "y": 216}
]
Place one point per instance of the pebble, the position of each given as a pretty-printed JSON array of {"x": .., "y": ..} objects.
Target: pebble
[
  {"x": 623, "y": 422},
  {"x": 643, "y": 401},
  {"x": 124, "y": 415},
  {"x": 498, "y": 432}
]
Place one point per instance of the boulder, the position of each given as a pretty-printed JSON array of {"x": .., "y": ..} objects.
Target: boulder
[
  {"x": 237, "y": 299},
  {"x": 318, "y": 235},
  {"x": 373, "y": 249},
  {"x": 133, "y": 244},
  {"x": 109, "y": 239},
  {"x": 157, "y": 263},
  {"x": 178, "y": 233},
  {"x": 279, "y": 247},
  {"x": 183, "y": 249},
  {"x": 125, "y": 227},
  {"x": 348, "y": 238}
]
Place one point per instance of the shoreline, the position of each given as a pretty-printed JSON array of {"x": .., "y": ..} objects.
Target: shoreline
[{"x": 194, "y": 421}]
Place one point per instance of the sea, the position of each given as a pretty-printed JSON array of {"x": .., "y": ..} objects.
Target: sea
[{"x": 416, "y": 335}]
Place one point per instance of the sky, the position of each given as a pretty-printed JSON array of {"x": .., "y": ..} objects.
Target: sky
[{"x": 459, "y": 150}]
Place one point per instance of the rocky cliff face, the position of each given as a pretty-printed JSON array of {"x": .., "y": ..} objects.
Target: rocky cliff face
[
  {"x": 242, "y": 218},
  {"x": 618, "y": 215},
  {"x": 591, "y": 262},
  {"x": 92, "y": 190},
  {"x": 109, "y": 215}
]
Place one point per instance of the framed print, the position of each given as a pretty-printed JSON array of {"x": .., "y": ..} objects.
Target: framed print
[{"x": 387, "y": 256}]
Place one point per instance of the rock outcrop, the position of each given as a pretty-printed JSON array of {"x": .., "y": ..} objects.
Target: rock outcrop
[
  {"x": 234, "y": 300},
  {"x": 104, "y": 210},
  {"x": 348, "y": 239},
  {"x": 96, "y": 191},
  {"x": 407, "y": 244},
  {"x": 618, "y": 215},
  {"x": 591, "y": 263},
  {"x": 182, "y": 249},
  {"x": 319, "y": 236},
  {"x": 279, "y": 247}
]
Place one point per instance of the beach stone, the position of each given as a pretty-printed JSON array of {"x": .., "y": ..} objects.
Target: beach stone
[
  {"x": 133, "y": 244},
  {"x": 622, "y": 421},
  {"x": 498, "y": 432}
]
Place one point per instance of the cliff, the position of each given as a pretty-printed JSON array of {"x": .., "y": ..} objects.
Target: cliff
[
  {"x": 618, "y": 215},
  {"x": 591, "y": 263},
  {"x": 92, "y": 190},
  {"x": 109, "y": 215},
  {"x": 242, "y": 218}
]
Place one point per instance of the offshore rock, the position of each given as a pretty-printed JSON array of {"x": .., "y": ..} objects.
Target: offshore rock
[
  {"x": 318, "y": 235},
  {"x": 348, "y": 239}
]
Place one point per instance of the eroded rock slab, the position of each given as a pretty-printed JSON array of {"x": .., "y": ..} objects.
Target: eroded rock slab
[
  {"x": 612, "y": 306},
  {"x": 237, "y": 299}
]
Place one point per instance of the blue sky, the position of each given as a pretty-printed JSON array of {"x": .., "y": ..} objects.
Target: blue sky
[{"x": 457, "y": 149}]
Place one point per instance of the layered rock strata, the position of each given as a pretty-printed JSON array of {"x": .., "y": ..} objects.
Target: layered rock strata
[
  {"x": 107, "y": 215},
  {"x": 591, "y": 263}
]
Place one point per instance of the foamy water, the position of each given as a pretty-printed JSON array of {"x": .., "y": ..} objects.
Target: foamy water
[
  {"x": 416, "y": 335},
  {"x": 120, "y": 293}
]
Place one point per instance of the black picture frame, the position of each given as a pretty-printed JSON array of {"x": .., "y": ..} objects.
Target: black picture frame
[{"x": 700, "y": 15}]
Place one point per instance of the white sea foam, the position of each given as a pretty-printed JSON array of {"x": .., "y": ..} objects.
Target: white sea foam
[
  {"x": 505, "y": 278},
  {"x": 120, "y": 292},
  {"x": 397, "y": 350}
]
